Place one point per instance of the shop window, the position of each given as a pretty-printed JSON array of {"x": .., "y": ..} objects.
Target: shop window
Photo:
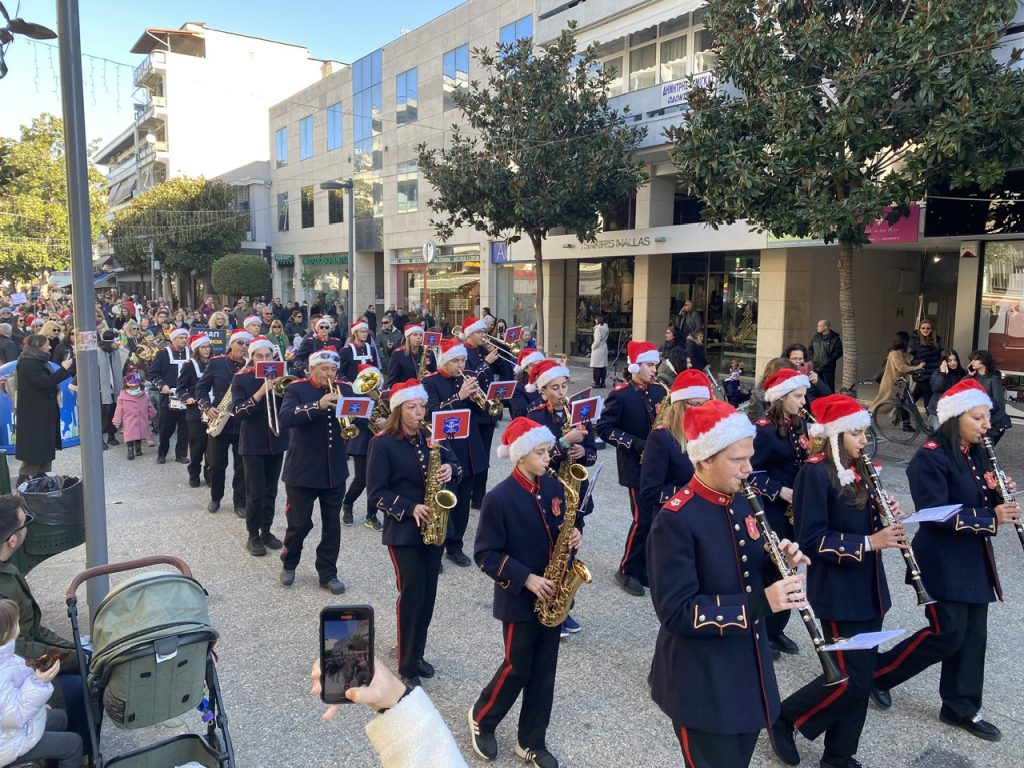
[
  {"x": 1001, "y": 325},
  {"x": 307, "y": 207},
  {"x": 603, "y": 285}
]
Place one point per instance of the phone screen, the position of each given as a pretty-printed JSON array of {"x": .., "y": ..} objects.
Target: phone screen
[
  {"x": 346, "y": 650},
  {"x": 805, "y": 368}
]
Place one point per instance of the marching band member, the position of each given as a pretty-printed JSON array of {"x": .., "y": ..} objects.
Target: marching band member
[
  {"x": 358, "y": 448},
  {"x": 780, "y": 449},
  {"x": 213, "y": 386},
  {"x": 319, "y": 339},
  {"x": 261, "y": 450},
  {"x": 188, "y": 378},
  {"x": 626, "y": 421},
  {"x": 523, "y": 400},
  {"x": 357, "y": 351},
  {"x": 708, "y": 584},
  {"x": 449, "y": 390},
  {"x": 665, "y": 467},
  {"x": 405, "y": 361},
  {"x": 315, "y": 468},
  {"x": 838, "y": 527},
  {"x": 481, "y": 365},
  {"x": 397, "y": 473},
  {"x": 957, "y": 562},
  {"x": 519, "y": 524},
  {"x": 163, "y": 373}
]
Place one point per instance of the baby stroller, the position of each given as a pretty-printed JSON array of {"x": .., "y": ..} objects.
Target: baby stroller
[{"x": 153, "y": 660}]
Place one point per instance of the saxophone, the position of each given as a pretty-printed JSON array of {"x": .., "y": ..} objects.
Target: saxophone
[
  {"x": 563, "y": 568},
  {"x": 216, "y": 426},
  {"x": 436, "y": 496},
  {"x": 424, "y": 359},
  {"x": 663, "y": 408}
]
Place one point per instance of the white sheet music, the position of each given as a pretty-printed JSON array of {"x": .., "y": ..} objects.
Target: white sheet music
[
  {"x": 865, "y": 640},
  {"x": 933, "y": 514}
]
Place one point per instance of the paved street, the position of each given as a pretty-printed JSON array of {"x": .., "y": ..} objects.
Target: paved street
[{"x": 602, "y": 716}]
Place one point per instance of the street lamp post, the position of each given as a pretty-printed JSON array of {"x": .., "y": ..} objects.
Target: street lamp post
[{"x": 350, "y": 186}]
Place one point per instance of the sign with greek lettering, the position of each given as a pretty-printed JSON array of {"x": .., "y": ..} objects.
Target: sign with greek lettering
[{"x": 677, "y": 91}]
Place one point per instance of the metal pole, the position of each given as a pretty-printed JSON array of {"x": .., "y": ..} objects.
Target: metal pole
[
  {"x": 351, "y": 249},
  {"x": 152, "y": 268},
  {"x": 84, "y": 296}
]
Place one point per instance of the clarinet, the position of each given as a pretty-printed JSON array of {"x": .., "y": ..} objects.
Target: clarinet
[
  {"x": 881, "y": 498},
  {"x": 1004, "y": 491},
  {"x": 771, "y": 542}
]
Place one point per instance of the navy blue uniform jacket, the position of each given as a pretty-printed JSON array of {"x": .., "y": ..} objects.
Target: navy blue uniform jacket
[
  {"x": 352, "y": 357},
  {"x": 665, "y": 468},
  {"x": 955, "y": 556},
  {"x": 255, "y": 437},
  {"x": 626, "y": 422},
  {"x": 522, "y": 401},
  {"x": 396, "y": 476},
  {"x": 166, "y": 367},
  {"x": 484, "y": 373},
  {"x": 443, "y": 395},
  {"x": 188, "y": 379},
  {"x": 712, "y": 667},
  {"x": 514, "y": 538},
  {"x": 776, "y": 461},
  {"x": 844, "y": 582},
  {"x": 404, "y": 366},
  {"x": 317, "y": 456},
  {"x": 310, "y": 344},
  {"x": 544, "y": 414},
  {"x": 215, "y": 383}
]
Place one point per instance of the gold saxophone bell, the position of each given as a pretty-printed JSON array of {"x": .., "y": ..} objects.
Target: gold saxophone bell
[
  {"x": 445, "y": 499},
  {"x": 441, "y": 500},
  {"x": 578, "y": 473}
]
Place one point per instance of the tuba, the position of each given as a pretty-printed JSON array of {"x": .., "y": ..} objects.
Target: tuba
[
  {"x": 368, "y": 384},
  {"x": 563, "y": 568},
  {"x": 436, "y": 496}
]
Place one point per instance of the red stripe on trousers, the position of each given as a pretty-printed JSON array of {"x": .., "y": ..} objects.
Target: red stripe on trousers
[
  {"x": 685, "y": 740},
  {"x": 504, "y": 675},
  {"x": 922, "y": 635},
  {"x": 832, "y": 697},
  {"x": 398, "y": 603},
  {"x": 632, "y": 530}
]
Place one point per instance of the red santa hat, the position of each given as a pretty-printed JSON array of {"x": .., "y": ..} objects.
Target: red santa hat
[
  {"x": 834, "y": 415},
  {"x": 404, "y": 391},
  {"x": 960, "y": 398},
  {"x": 240, "y": 335},
  {"x": 544, "y": 372},
  {"x": 358, "y": 325},
  {"x": 177, "y": 332},
  {"x": 781, "y": 383},
  {"x": 196, "y": 340},
  {"x": 521, "y": 437},
  {"x": 412, "y": 328},
  {"x": 323, "y": 322},
  {"x": 691, "y": 384},
  {"x": 250, "y": 320},
  {"x": 261, "y": 342},
  {"x": 325, "y": 355},
  {"x": 451, "y": 349},
  {"x": 641, "y": 352},
  {"x": 527, "y": 357},
  {"x": 471, "y": 325},
  {"x": 713, "y": 427}
]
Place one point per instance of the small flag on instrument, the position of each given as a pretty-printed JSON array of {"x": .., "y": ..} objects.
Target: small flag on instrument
[
  {"x": 501, "y": 390},
  {"x": 586, "y": 410},
  {"x": 513, "y": 334},
  {"x": 450, "y": 425},
  {"x": 432, "y": 339},
  {"x": 354, "y": 407},
  {"x": 269, "y": 369}
]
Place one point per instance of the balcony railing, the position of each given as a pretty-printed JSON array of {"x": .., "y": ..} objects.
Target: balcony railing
[
  {"x": 154, "y": 59},
  {"x": 148, "y": 152}
]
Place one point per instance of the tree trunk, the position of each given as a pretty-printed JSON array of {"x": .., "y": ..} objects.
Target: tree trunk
[
  {"x": 846, "y": 310},
  {"x": 538, "y": 245}
]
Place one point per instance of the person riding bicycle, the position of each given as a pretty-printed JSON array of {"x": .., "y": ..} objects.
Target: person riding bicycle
[{"x": 897, "y": 367}]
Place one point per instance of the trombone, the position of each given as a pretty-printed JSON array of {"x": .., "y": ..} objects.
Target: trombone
[
  {"x": 349, "y": 431},
  {"x": 275, "y": 391},
  {"x": 503, "y": 351}
]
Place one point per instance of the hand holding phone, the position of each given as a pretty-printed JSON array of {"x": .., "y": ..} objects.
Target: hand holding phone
[{"x": 346, "y": 650}]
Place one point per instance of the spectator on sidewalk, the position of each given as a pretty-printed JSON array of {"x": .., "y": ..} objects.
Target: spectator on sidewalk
[
  {"x": 37, "y": 411},
  {"x": 897, "y": 366},
  {"x": 8, "y": 349},
  {"x": 949, "y": 372},
  {"x": 695, "y": 356},
  {"x": 797, "y": 354},
  {"x": 389, "y": 338},
  {"x": 926, "y": 347},
  {"x": 983, "y": 369},
  {"x": 599, "y": 351},
  {"x": 690, "y": 320},
  {"x": 826, "y": 349}
]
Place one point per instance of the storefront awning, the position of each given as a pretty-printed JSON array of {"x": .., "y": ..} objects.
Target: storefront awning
[
  {"x": 105, "y": 280},
  {"x": 59, "y": 280}
]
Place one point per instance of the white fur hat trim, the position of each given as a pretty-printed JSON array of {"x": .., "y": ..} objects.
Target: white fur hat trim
[
  {"x": 783, "y": 388},
  {"x": 690, "y": 393},
  {"x": 541, "y": 435},
  {"x": 457, "y": 351},
  {"x": 951, "y": 406},
  {"x": 178, "y": 332},
  {"x": 534, "y": 357},
  {"x": 650, "y": 356},
  {"x": 721, "y": 436},
  {"x": 547, "y": 377},
  {"x": 407, "y": 394}
]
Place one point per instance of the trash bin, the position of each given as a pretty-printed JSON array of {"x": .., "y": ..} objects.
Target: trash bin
[{"x": 57, "y": 503}]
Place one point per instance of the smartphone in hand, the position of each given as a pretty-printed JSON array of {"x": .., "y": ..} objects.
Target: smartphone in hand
[{"x": 346, "y": 650}]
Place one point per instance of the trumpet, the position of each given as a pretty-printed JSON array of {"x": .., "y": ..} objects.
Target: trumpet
[
  {"x": 493, "y": 407},
  {"x": 349, "y": 431},
  {"x": 275, "y": 391}
]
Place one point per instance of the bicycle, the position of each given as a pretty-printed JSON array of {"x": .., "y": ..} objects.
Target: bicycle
[
  {"x": 898, "y": 420},
  {"x": 872, "y": 445}
]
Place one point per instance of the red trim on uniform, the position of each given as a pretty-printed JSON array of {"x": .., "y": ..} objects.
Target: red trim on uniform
[
  {"x": 502, "y": 678},
  {"x": 632, "y": 529},
  {"x": 529, "y": 485},
  {"x": 398, "y": 603},
  {"x": 684, "y": 739},
  {"x": 709, "y": 494},
  {"x": 920, "y": 638},
  {"x": 836, "y": 693}
]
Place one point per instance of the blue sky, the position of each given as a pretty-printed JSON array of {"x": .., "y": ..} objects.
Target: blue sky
[{"x": 343, "y": 30}]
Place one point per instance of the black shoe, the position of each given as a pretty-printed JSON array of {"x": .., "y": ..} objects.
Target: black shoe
[
  {"x": 412, "y": 682},
  {"x": 630, "y": 583},
  {"x": 484, "y": 743},
  {"x": 346, "y": 515},
  {"x": 842, "y": 762},
  {"x": 131, "y": 451},
  {"x": 881, "y": 697},
  {"x": 783, "y": 643},
  {"x": 287, "y": 577},
  {"x": 182, "y": 460},
  {"x": 425, "y": 669},
  {"x": 106, "y": 447},
  {"x": 335, "y": 586},
  {"x": 459, "y": 557},
  {"x": 193, "y": 482},
  {"x": 240, "y": 510},
  {"x": 373, "y": 524},
  {"x": 138, "y": 447},
  {"x": 270, "y": 541},
  {"x": 112, "y": 440},
  {"x": 255, "y": 546},
  {"x": 983, "y": 729},
  {"x": 161, "y": 459},
  {"x": 783, "y": 744},
  {"x": 213, "y": 506},
  {"x": 536, "y": 756}
]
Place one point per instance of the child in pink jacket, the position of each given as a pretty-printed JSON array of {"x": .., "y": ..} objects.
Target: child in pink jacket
[{"x": 133, "y": 413}]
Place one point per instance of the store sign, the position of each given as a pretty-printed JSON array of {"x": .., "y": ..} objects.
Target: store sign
[
  {"x": 284, "y": 260},
  {"x": 617, "y": 242},
  {"x": 678, "y": 91},
  {"x": 906, "y": 229},
  {"x": 499, "y": 252},
  {"x": 320, "y": 261}
]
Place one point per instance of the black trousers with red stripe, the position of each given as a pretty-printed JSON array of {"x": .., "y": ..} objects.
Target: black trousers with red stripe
[
  {"x": 715, "y": 750},
  {"x": 262, "y": 474},
  {"x": 838, "y": 711},
  {"x": 416, "y": 570},
  {"x": 634, "y": 558},
  {"x": 299, "y": 514},
  {"x": 956, "y": 637},
  {"x": 531, "y": 658}
]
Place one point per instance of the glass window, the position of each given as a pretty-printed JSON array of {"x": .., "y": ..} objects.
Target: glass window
[
  {"x": 674, "y": 63},
  {"x": 703, "y": 58},
  {"x": 306, "y": 138},
  {"x": 1001, "y": 328},
  {"x": 307, "y": 207},
  {"x": 642, "y": 67},
  {"x": 408, "y": 186},
  {"x": 516, "y": 31},
  {"x": 406, "y": 90},
  {"x": 643, "y": 36},
  {"x": 672, "y": 26},
  {"x": 603, "y": 285},
  {"x": 282, "y": 211},
  {"x": 335, "y": 206},
  {"x": 282, "y": 146},
  {"x": 334, "y": 126},
  {"x": 455, "y": 71},
  {"x": 614, "y": 66}
]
